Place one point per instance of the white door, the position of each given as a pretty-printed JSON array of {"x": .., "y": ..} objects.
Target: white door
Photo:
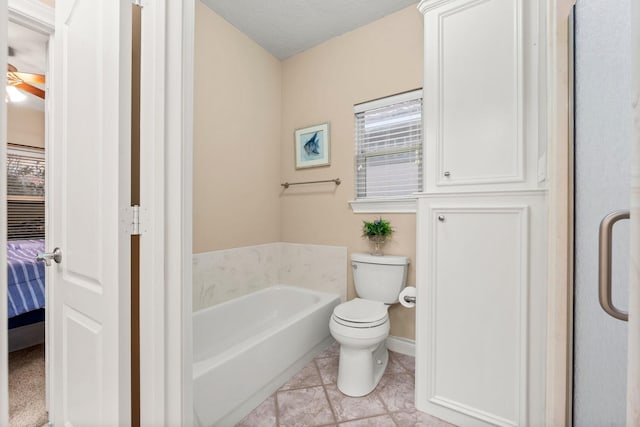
[{"x": 90, "y": 191}]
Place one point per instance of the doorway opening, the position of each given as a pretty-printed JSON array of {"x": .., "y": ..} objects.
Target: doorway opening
[{"x": 25, "y": 180}]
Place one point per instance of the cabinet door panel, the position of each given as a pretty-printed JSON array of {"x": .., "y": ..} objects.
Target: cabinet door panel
[
  {"x": 480, "y": 104},
  {"x": 480, "y": 78},
  {"x": 477, "y": 328}
]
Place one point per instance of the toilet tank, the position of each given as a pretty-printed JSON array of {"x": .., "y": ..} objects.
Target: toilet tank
[{"x": 378, "y": 277}]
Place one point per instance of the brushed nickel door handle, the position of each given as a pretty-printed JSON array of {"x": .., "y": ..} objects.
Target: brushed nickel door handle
[
  {"x": 604, "y": 264},
  {"x": 47, "y": 257}
]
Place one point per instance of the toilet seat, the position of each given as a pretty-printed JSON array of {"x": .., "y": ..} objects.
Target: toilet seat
[
  {"x": 359, "y": 325},
  {"x": 361, "y": 313}
]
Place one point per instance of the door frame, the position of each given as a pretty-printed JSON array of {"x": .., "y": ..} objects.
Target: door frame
[
  {"x": 166, "y": 168},
  {"x": 559, "y": 370},
  {"x": 166, "y": 161}
]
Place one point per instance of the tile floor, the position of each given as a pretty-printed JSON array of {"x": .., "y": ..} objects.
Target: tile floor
[{"x": 311, "y": 398}]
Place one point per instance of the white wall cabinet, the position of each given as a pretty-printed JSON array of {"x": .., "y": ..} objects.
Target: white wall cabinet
[
  {"x": 481, "y": 95},
  {"x": 481, "y": 308},
  {"x": 481, "y": 246}
]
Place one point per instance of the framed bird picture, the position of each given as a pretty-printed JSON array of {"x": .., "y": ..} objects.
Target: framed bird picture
[{"x": 312, "y": 146}]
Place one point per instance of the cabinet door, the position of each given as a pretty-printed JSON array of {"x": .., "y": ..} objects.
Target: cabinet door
[
  {"x": 480, "y": 94},
  {"x": 472, "y": 362}
]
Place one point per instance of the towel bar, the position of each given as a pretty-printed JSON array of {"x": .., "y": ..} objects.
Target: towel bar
[{"x": 287, "y": 184}]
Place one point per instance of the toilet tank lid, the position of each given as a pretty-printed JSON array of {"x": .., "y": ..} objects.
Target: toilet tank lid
[{"x": 379, "y": 259}]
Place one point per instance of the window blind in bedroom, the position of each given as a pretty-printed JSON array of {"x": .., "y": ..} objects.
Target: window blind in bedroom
[{"x": 25, "y": 192}]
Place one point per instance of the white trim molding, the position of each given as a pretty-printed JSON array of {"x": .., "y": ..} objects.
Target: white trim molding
[
  {"x": 32, "y": 14},
  {"x": 484, "y": 194},
  {"x": 166, "y": 256},
  {"x": 402, "y": 345},
  {"x": 388, "y": 100},
  {"x": 152, "y": 244},
  {"x": 426, "y": 5},
  {"x": 559, "y": 360},
  {"x": 399, "y": 205}
]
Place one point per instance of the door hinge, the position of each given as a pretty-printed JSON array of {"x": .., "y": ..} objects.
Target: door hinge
[{"x": 133, "y": 220}]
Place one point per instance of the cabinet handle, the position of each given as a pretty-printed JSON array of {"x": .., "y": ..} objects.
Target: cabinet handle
[
  {"x": 447, "y": 174},
  {"x": 604, "y": 257},
  {"x": 441, "y": 218}
]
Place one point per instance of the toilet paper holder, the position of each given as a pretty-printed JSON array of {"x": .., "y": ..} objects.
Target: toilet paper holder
[{"x": 409, "y": 298}]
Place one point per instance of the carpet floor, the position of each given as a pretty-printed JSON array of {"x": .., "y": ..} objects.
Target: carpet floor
[{"x": 27, "y": 407}]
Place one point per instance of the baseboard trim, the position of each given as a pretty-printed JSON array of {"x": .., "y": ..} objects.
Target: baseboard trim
[
  {"x": 402, "y": 345},
  {"x": 26, "y": 336}
]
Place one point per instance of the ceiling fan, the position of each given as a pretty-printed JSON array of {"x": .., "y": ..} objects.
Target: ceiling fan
[{"x": 22, "y": 81}]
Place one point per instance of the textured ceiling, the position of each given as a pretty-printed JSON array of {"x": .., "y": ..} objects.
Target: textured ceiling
[
  {"x": 28, "y": 53},
  {"x": 29, "y": 49},
  {"x": 288, "y": 27}
]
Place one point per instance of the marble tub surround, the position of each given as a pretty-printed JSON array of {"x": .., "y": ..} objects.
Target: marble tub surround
[
  {"x": 223, "y": 275},
  {"x": 311, "y": 398},
  {"x": 315, "y": 267}
]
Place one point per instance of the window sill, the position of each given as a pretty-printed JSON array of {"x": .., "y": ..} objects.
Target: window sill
[{"x": 400, "y": 205}]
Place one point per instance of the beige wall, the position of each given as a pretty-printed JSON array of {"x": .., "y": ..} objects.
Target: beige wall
[
  {"x": 247, "y": 106},
  {"x": 237, "y": 123},
  {"x": 25, "y": 126},
  {"x": 322, "y": 85}
]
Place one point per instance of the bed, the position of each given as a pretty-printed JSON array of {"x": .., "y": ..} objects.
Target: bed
[{"x": 26, "y": 293}]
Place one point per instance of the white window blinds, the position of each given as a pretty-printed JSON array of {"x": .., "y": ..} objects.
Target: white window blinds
[
  {"x": 25, "y": 220},
  {"x": 389, "y": 146},
  {"x": 25, "y": 193}
]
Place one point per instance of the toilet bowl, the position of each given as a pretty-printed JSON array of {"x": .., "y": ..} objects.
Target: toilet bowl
[
  {"x": 363, "y": 351},
  {"x": 362, "y": 325}
]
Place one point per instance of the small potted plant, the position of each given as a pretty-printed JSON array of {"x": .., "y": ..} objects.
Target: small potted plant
[{"x": 377, "y": 232}]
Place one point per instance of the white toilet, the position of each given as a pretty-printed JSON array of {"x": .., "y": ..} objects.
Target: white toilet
[{"x": 361, "y": 325}]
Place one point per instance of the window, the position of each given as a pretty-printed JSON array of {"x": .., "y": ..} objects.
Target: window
[
  {"x": 389, "y": 151},
  {"x": 25, "y": 193}
]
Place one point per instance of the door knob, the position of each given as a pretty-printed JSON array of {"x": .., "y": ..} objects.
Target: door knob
[{"x": 46, "y": 257}]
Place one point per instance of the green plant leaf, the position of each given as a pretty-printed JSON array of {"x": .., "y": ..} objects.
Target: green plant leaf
[{"x": 379, "y": 227}]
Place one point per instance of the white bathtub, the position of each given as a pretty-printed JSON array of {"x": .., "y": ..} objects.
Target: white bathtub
[{"x": 246, "y": 348}]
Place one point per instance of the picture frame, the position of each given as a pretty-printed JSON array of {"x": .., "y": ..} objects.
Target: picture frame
[{"x": 312, "y": 146}]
